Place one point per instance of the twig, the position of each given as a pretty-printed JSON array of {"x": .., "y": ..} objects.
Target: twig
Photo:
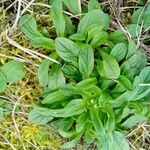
[{"x": 33, "y": 53}]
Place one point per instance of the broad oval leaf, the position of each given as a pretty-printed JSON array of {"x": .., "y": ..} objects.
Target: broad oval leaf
[
  {"x": 37, "y": 116},
  {"x": 110, "y": 65},
  {"x": 73, "y": 5},
  {"x": 81, "y": 122},
  {"x": 131, "y": 49},
  {"x": 53, "y": 97},
  {"x": 43, "y": 72},
  {"x": 119, "y": 51},
  {"x": 58, "y": 17},
  {"x": 28, "y": 26},
  {"x": 71, "y": 72},
  {"x": 133, "y": 120},
  {"x": 13, "y": 71},
  {"x": 56, "y": 79},
  {"x": 125, "y": 82},
  {"x": 93, "y": 18},
  {"x": 86, "y": 61},
  {"x": 67, "y": 49},
  {"x": 93, "y": 4}
]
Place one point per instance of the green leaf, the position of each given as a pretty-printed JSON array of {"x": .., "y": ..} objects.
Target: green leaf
[
  {"x": 67, "y": 49},
  {"x": 67, "y": 134},
  {"x": 134, "y": 64},
  {"x": 93, "y": 4},
  {"x": 140, "y": 15},
  {"x": 78, "y": 37},
  {"x": 93, "y": 31},
  {"x": 100, "y": 68},
  {"x": 99, "y": 39},
  {"x": 44, "y": 42},
  {"x": 125, "y": 82},
  {"x": 141, "y": 91},
  {"x": 73, "y": 5},
  {"x": 86, "y": 61},
  {"x": 133, "y": 120},
  {"x": 13, "y": 71},
  {"x": 115, "y": 140},
  {"x": 28, "y": 26},
  {"x": 110, "y": 123},
  {"x": 81, "y": 122},
  {"x": 43, "y": 72},
  {"x": 131, "y": 49},
  {"x": 38, "y": 117},
  {"x": 53, "y": 97},
  {"x": 75, "y": 107},
  {"x": 97, "y": 122},
  {"x": 93, "y": 18},
  {"x": 71, "y": 72},
  {"x": 86, "y": 83},
  {"x": 119, "y": 51},
  {"x": 134, "y": 30},
  {"x": 70, "y": 28},
  {"x": 72, "y": 143},
  {"x": 3, "y": 82},
  {"x": 89, "y": 136},
  {"x": 110, "y": 65},
  {"x": 56, "y": 79},
  {"x": 58, "y": 17},
  {"x": 118, "y": 37}
]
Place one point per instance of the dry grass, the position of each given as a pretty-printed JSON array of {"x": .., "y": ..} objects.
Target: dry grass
[{"x": 16, "y": 133}]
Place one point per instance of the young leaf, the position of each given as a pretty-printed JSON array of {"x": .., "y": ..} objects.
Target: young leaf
[
  {"x": 3, "y": 82},
  {"x": 73, "y": 5},
  {"x": 70, "y": 28},
  {"x": 133, "y": 120},
  {"x": 72, "y": 143},
  {"x": 100, "y": 68},
  {"x": 78, "y": 37},
  {"x": 93, "y": 18},
  {"x": 125, "y": 82},
  {"x": 86, "y": 61},
  {"x": 44, "y": 42},
  {"x": 97, "y": 122},
  {"x": 71, "y": 72},
  {"x": 81, "y": 122},
  {"x": 119, "y": 51},
  {"x": 37, "y": 117},
  {"x": 58, "y": 17},
  {"x": 131, "y": 49},
  {"x": 116, "y": 140},
  {"x": 93, "y": 4},
  {"x": 110, "y": 124},
  {"x": 56, "y": 79},
  {"x": 43, "y": 72},
  {"x": 28, "y": 26},
  {"x": 118, "y": 37},
  {"x": 67, "y": 49},
  {"x": 13, "y": 71},
  {"x": 53, "y": 97},
  {"x": 99, "y": 39},
  {"x": 110, "y": 65}
]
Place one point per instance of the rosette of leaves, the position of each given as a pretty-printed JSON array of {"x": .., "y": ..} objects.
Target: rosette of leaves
[{"x": 97, "y": 92}]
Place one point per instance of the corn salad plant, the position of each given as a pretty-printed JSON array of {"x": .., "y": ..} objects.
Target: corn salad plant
[{"x": 94, "y": 90}]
